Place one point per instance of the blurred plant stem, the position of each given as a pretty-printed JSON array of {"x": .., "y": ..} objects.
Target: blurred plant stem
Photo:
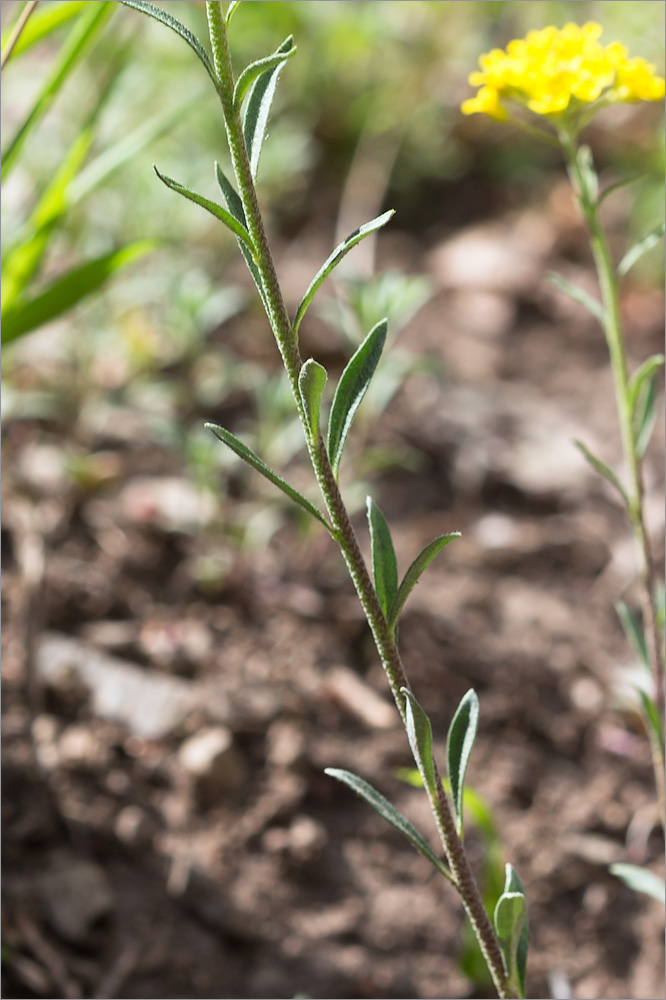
[
  {"x": 585, "y": 184},
  {"x": 342, "y": 528},
  {"x": 16, "y": 31}
]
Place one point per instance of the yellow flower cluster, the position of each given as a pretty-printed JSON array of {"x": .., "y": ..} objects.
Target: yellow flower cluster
[{"x": 556, "y": 70}]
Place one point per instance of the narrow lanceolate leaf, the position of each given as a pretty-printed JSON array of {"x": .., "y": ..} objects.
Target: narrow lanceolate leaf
[
  {"x": 579, "y": 295},
  {"x": 161, "y": 15},
  {"x": 64, "y": 293},
  {"x": 235, "y": 206},
  {"x": 612, "y": 188},
  {"x": 647, "y": 243},
  {"x": 652, "y": 721},
  {"x": 42, "y": 23},
  {"x": 419, "y": 733},
  {"x": 249, "y": 456},
  {"x": 340, "y": 251},
  {"x": 633, "y": 630},
  {"x": 645, "y": 413},
  {"x": 459, "y": 743},
  {"x": 603, "y": 470},
  {"x": 311, "y": 382},
  {"x": 640, "y": 880},
  {"x": 384, "y": 565},
  {"x": 511, "y": 927},
  {"x": 259, "y": 103},
  {"x": 351, "y": 389},
  {"x": 231, "y": 10},
  {"x": 413, "y": 574},
  {"x": 220, "y": 213},
  {"x": 255, "y": 69},
  {"x": 391, "y": 814},
  {"x": 640, "y": 377}
]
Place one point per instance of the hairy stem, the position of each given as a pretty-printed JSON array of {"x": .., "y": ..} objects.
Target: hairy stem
[{"x": 344, "y": 532}]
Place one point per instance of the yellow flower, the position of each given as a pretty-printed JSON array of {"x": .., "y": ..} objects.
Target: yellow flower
[{"x": 554, "y": 71}]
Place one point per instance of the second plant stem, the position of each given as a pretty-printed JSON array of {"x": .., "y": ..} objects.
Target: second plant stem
[{"x": 343, "y": 529}]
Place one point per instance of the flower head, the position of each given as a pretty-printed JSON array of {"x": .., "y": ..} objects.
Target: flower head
[{"x": 556, "y": 71}]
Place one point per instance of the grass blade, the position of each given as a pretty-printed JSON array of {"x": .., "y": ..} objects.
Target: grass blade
[
  {"x": 259, "y": 103},
  {"x": 388, "y": 812},
  {"x": 237, "y": 228},
  {"x": 413, "y": 574},
  {"x": 45, "y": 20},
  {"x": 351, "y": 389},
  {"x": 82, "y": 36},
  {"x": 67, "y": 291},
  {"x": 249, "y": 456},
  {"x": 459, "y": 743},
  {"x": 640, "y": 880},
  {"x": 633, "y": 629},
  {"x": 384, "y": 565},
  {"x": 340, "y": 251}
]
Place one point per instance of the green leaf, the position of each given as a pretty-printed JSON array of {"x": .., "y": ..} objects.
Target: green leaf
[
  {"x": 510, "y": 921},
  {"x": 612, "y": 188},
  {"x": 44, "y": 20},
  {"x": 68, "y": 290},
  {"x": 579, "y": 295},
  {"x": 384, "y": 565},
  {"x": 419, "y": 733},
  {"x": 589, "y": 174},
  {"x": 220, "y": 213},
  {"x": 161, "y": 15},
  {"x": 413, "y": 574},
  {"x": 81, "y": 37},
  {"x": 259, "y": 103},
  {"x": 648, "y": 242},
  {"x": 652, "y": 720},
  {"x": 633, "y": 630},
  {"x": 340, "y": 251},
  {"x": 459, "y": 743},
  {"x": 235, "y": 206},
  {"x": 255, "y": 69},
  {"x": 645, "y": 414},
  {"x": 604, "y": 470},
  {"x": 311, "y": 382},
  {"x": 391, "y": 814},
  {"x": 231, "y": 10},
  {"x": 640, "y": 376},
  {"x": 640, "y": 880},
  {"x": 351, "y": 389},
  {"x": 249, "y": 456}
]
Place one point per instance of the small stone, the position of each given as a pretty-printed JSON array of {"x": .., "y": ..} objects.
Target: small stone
[
  {"x": 79, "y": 746},
  {"x": 213, "y": 761},
  {"x": 75, "y": 895},
  {"x": 306, "y": 839},
  {"x": 134, "y": 827},
  {"x": 354, "y": 694}
]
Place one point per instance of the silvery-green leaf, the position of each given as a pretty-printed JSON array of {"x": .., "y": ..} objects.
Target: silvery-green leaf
[
  {"x": 589, "y": 174},
  {"x": 648, "y": 242},
  {"x": 237, "y": 228},
  {"x": 510, "y": 920},
  {"x": 388, "y": 812},
  {"x": 259, "y": 103},
  {"x": 652, "y": 720},
  {"x": 255, "y": 69},
  {"x": 235, "y": 206},
  {"x": 231, "y": 10},
  {"x": 640, "y": 376},
  {"x": 413, "y": 574},
  {"x": 645, "y": 413},
  {"x": 640, "y": 880},
  {"x": 459, "y": 743},
  {"x": 351, "y": 389},
  {"x": 384, "y": 565},
  {"x": 579, "y": 295},
  {"x": 419, "y": 733},
  {"x": 249, "y": 456},
  {"x": 633, "y": 630},
  {"x": 340, "y": 251},
  {"x": 604, "y": 470},
  {"x": 311, "y": 382},
  {"x": 161, "y": 15}
]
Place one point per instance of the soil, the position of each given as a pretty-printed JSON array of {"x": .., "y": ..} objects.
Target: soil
[{"x": 259, "y": 876}]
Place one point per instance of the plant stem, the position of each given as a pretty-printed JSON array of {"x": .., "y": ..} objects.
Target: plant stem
[
  {"x": 17, "y": 31},
  {"x": 344, "y": 531},
  {"x": 589, "y": 204}
]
